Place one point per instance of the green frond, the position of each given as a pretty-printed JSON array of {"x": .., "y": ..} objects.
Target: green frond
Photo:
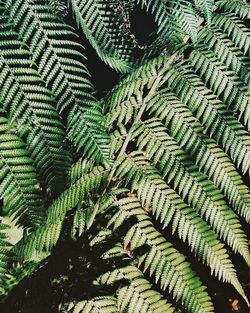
[
  {"x": 138, "y": 296},
  {"x": 60, "y": 63},
  {"x": 240, "y": 7},
  {"x": 234, "y": 28},
  {"x": 5, "y": 256},
  {"x": 82, "y": 166},
  {"x": 58, "y": 6},
  {"x": 225, "y": 84},
  {"x": 167, "y": 150},
  {"x": 19, "y": 188},
  {"x": 211, "y": 112},
  {"x": 87, "y": 131},
  {"x": 168, "y": 267},
  {"x": 210, "y": 159},
  {"x": 103, "y": 25},
  {"x": 192, "y": 185},
  {"x": 226, "y": 51},
  {"x": 95, "y": 305},
  {"x": 156, "y": 196},
  {"x": 206, "y": 7},
  {"x": 47, "y": 235},
  {"x": 174, "y": 18},
  {"x": 117, "y": 138},
  {"x": 29, "y": 105},
  {"x": 82, "y": 220}
]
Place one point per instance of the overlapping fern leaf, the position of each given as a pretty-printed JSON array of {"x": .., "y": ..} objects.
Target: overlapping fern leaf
[
  {"x": 138, "y": 295},
  {"x": 60, "y": 63},
  {"x": 240, "y": 7},
  {"x": 170, "y": 113},
  {"x": 76, "y": 196},
  {"x": 19, "y": 184},
  {"x": 179, "y": 157},
  {"x": 104, "y": 24},
  {"x": 33, "y": 113}
]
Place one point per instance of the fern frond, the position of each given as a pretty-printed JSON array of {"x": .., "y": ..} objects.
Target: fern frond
[
  {"x": 210, "y": 159},
  {"x": 82, "y": 166},
  {"x": 30, "y": 106},
  {"x": 167, "y": 265},
  {"x": 5, "y": 256},
  {"x": 19, "y": 186},
  {"x": 234, "y": 28},
  {"x": 211, "y": 112},
  {"x": 137, "y": 165},
  {"x": 87, "y": 131},
  {"x": 47, "y": 235},
  {"x": 95, "y": 305},
  {"x": 60, "y": 64},
  {"x": 240, "y": 7},
  {"x": 224, "y": 83},
  {"x": 104, "y": 28},
  {"x": 168, "y": 207},
  {"x": 206, "y": 7},
  {"x": 138, "y": 296},
  {"x": 58, "y": 6},
  {"x": 226, "y": 51},
  {"x": 81, "y": 221},
  {"x": 174, "y": 18}
]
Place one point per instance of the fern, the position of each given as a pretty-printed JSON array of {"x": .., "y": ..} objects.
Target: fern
[
  {"x": 105, "y": 30},
  {"x": 222, "y": 83},
  {"x": 240, "y": 7},
  {"x": 46, "y": 237},
  {"x": 165, "y": 154},
  {"x": 189, "y": 134},
  {"x": 162, "y": 260},
  {"x": 138, "y": 296},
  {"x": 64, "y": 74},
  {"x": 98, "y": 305},
  {"x": 190, "y": 184},
  {"x": 208, "y": 107},
  {"x": 6, "y": 258},
  {"x": 33, "y": 113},
  {"x": 225, "y": 51},
  {"x": 235, "y": 29},
  {"x": 177, "y": 16},
  {"x": 206, "y": 7},
  {"x": 19, "y": 184},
  {"x": 157, "y": 196}
]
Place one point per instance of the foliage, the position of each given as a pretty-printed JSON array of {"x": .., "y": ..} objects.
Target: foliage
[{"x": 168, "y": 149}]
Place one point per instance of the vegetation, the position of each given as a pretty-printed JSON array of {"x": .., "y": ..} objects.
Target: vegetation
[{"x": 109, "y": 189}]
